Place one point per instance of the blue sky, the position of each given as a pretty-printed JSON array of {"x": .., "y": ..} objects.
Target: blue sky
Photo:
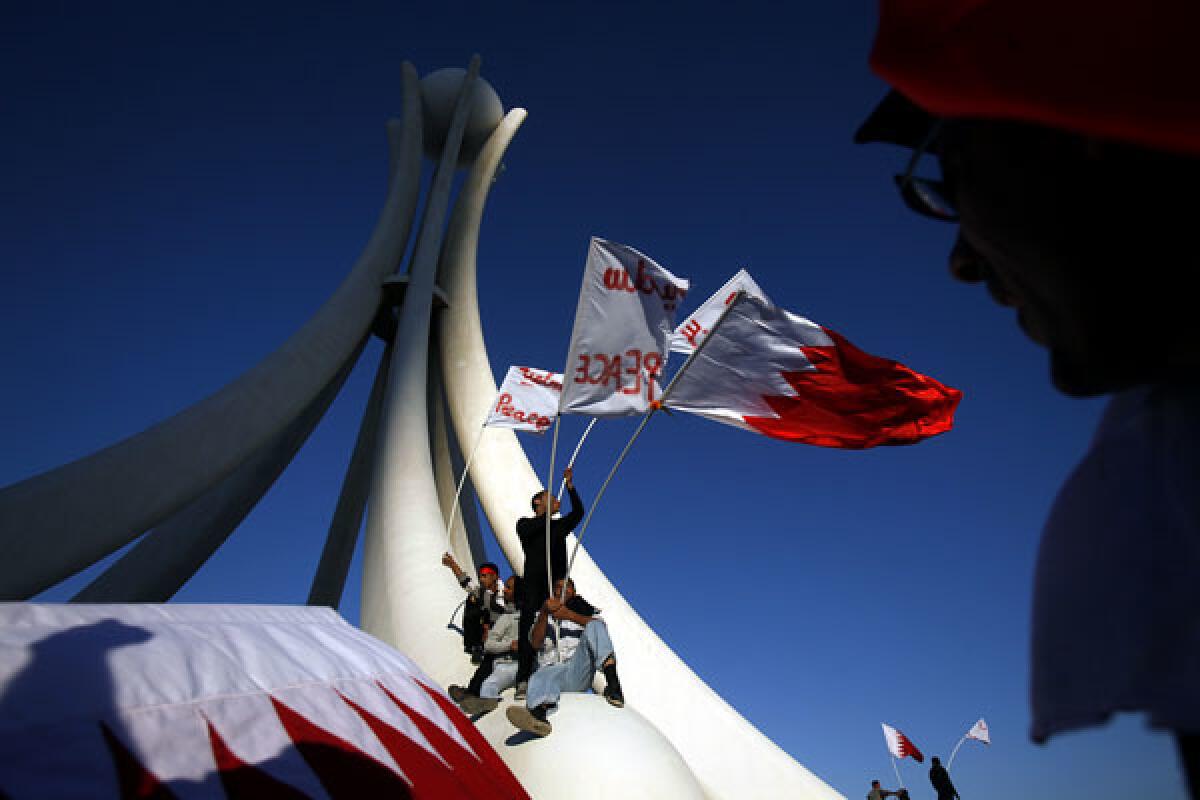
[{"x": 184, "y": 185}]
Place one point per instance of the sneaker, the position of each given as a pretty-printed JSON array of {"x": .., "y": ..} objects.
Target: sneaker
[
  {"x": 522, "y": 688},
  {"x": 521, "y": 717},
  {"x": 473, "y": 704},
  {"x": 612, "y": 693},
  {"x": 457, "y": 693}
]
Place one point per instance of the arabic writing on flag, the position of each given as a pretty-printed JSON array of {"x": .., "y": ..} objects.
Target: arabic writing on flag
[
  {"x": 900, "y": 745},
  {"x": 693, "y": 330},
  {"x": 527, "y": 400},
  {"x": 625, "y": 316},
  {"x": 781, "y": 375},
  {"x": 979, "y": 731}
]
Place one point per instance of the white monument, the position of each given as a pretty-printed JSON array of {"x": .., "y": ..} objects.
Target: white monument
[{"x": 188, "y": 482}]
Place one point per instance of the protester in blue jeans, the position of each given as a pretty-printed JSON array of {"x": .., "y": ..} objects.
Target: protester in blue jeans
[{"x": 584, "y": 647}]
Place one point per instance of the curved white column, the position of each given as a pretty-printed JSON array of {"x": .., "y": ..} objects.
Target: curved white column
[
  {"x": 729, "y": 756},
  {"x": 329, "y": 581},
  {"x": 406, "y": 592},
  {"x": 167, "y": 557},
  {"x": 466, "y": 539},
  {"x": 56, "y": 523}
]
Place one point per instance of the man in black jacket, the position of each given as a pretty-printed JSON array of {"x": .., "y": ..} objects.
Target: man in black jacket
[
  {"x": 532, "y": 532},
  {"x": 940, "y": 779}
]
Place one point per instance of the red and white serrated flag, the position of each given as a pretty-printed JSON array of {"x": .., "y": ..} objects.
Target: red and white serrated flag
[
  {"x": 693, "y": 330},
  {"x": 781, "y": 375},
  {"x": 979, "y": 731},
  {"x": 900, "y": 745},
  {"x": 625, "y": 316},
  {"x": 121, "y": 701},
  {"x": 527, "y": 400}
]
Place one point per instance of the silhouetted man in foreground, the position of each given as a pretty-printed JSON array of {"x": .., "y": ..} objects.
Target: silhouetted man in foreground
[{"x": 1069, "y": 140}]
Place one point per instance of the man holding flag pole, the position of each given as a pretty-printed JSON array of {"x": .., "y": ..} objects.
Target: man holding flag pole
[{"x": 541, "y": 563}]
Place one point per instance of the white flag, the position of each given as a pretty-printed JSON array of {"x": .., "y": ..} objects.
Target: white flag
[
  {"x": 980, "y": 731},
  {"x": 527, "y": 400},
  {"x": 618, "y": 346},
  {"x": 693, "y": 330}
]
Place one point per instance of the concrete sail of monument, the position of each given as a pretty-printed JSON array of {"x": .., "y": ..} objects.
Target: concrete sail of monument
[{"x": 189, "y": 480}]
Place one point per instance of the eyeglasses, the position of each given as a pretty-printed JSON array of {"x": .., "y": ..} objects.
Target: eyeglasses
[{"x": 927, "y": 197}]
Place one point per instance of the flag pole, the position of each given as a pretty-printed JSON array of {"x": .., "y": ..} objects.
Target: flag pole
[
  {"x": 571, "y": 464},
  {"x": 463, "y": 479},
  {"x": 952, "y": 755},
  {"x": 549, "y": 513},
  {"x": 899, "y": 780},
  {"x": 654, "y": 407}
]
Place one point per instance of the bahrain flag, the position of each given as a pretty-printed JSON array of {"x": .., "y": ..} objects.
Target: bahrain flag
[
  {"x": 781, "y": 375},
  {"x": 182, "y": 701}
]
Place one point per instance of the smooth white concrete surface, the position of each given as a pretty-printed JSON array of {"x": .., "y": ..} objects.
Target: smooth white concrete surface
[
  {"x": 439, "y": 93},
  {"x": 730, "y": 757},
  {"x": 56, "y": 523},
  {"x": 156, "y": 567},
  {"x": 406, "y": 592},
  {"x": 595, "y": 751},
  {"x": 329, "y": 581},
  {"x": 465, "y": 538}
]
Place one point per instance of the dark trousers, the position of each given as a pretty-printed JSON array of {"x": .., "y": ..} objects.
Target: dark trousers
[
  {"x": 472, "y": 624},
  {"x": 535, "y": 595},
  {"x": 481, "y": 674}
]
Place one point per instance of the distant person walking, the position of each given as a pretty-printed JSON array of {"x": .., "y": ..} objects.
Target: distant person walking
[{"x": 940, "y": 779}]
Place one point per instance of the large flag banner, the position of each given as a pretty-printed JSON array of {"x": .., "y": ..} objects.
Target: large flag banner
[
  {"x": 200, "y": 701},
  {"x": 693, "y": 330},
  {"x": 527, "y": 400},
  {"x": 624, "y": 319},
  {"x": 900, "y": 745},
  {"x": 979, "y": 731},
  {"x": 781, "y": 375}
]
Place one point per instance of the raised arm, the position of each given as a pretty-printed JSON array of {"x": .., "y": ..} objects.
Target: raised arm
[
  {"x": 464, "y": 580},
  {"x": 568, "y": 522}
]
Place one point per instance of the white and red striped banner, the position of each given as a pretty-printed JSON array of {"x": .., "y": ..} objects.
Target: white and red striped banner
[
  {"x": 128, "y": 701},
  {"x": 775, "y": 373},
  {"x": 900, "y": 745}
]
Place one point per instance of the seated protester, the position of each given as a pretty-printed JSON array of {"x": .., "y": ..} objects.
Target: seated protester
[
  {"x": 481, "y": 605},
  {"x": 498, "y": 671},
  {"x": 585, "y": 647}
]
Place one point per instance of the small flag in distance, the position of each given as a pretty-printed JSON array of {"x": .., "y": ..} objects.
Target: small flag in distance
[{"x": 900, "y": 745}]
